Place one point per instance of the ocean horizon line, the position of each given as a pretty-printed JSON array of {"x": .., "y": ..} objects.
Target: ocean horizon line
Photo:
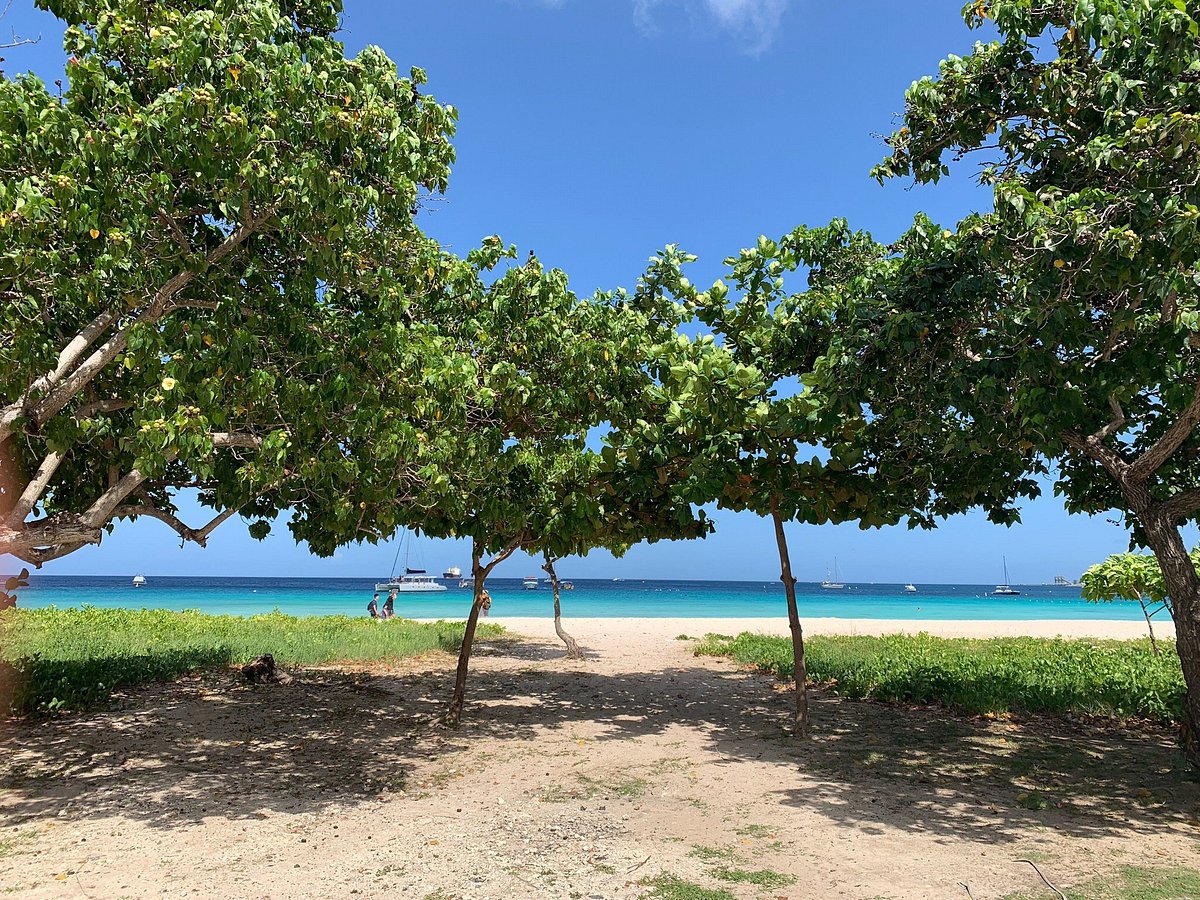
[{"x": 542, "y": 577}]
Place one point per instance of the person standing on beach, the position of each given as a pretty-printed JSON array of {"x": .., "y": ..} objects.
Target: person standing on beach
[
  {"x": 373, "y": 606},
  {"x": 485, "y": 603},
  {"x": 389, "y": 606}
]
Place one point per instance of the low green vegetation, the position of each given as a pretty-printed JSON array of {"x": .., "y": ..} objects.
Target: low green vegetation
[
  {"x": 66, "y": 658},
  {"x": 669, "y": 887},
  {"x": 1130, "y": 883},
  {"x": 763, "y": 878},
  {"x": 1033, "y": 675},
  {"x": 712, "y": 853}
]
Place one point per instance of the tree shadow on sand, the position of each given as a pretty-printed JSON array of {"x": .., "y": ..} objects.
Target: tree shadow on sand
[{"x": 208, "y": 745}]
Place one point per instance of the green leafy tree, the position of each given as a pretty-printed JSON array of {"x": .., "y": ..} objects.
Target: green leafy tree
[
  {"x": 1056, "y": 335},
  {"x": 735, "y": 424},
  {"x": 1132, "y": 576},
  {"x": 209, "y": 270},
  {"x": 524, "y": 372}
]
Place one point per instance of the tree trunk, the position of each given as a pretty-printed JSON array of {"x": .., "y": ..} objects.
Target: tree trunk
[
  {"x": 800, "y": 725},
  {"x": 573, "y": 651},
  {"x": 1183, "y": 587},
  {"x": 479, "y": 573},
  {"x": 1150, "y": 625}
]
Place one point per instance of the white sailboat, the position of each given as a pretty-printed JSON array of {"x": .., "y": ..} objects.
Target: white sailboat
[
  {"x": 1005, "y": 589},
  {"x": 832, "y": 584},
  {"x": 139, "y": 581},
  {"x": 413, "y": 581}
]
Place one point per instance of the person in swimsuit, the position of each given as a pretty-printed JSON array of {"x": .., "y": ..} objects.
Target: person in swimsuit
[{"x": 485, "y": 603}]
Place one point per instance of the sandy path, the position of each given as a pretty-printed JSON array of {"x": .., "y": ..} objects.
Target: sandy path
[{"x": 568, "y": 779}]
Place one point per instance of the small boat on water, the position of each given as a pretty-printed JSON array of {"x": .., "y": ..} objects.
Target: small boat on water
[
  {"x": 530, "y": 583},
  {"x": 832, "y": 584},
  {"x": 413, "y": 581},
  {"x": 567, "y": 585},
  {"x": 1064, "y": 581},
  {"x": 1005, "y": 589},
  {"x": 139, "y": 581},
  {"x": 452, "y": 572},
  {"x": 464, "y": 583},
  {"x": 910, "y": 589}
]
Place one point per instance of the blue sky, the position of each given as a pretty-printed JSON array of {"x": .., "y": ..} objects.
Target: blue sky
[{"x": 595, "y": 132}]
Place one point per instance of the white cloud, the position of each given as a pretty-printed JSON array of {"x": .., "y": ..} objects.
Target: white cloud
[{"x": 753, "y": 22}]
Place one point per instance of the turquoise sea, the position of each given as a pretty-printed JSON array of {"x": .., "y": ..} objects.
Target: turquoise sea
[{"x": 591, "y": 597}]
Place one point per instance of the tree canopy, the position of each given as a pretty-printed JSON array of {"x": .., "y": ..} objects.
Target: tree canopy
[
  {"x": 1056, "y": 335},
  {"x": 209, "y": 266}
]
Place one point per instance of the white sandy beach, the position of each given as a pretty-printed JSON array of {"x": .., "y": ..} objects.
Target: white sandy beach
[
  {"x": 617, "y": 631},
  {"x": 637, "y": 767}
]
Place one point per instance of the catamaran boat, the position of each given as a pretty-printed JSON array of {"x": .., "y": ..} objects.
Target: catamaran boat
[
  {"x": 1005, "y": 589},
  {"x": 910, "y": 589},
  {"x": 139, "y": 580},
  {"x": 832, "y": 584},
  {"x": 413, "y": 581},
  {"x": 452, "y": 572},
  {"x": 530, "y": 583},
  {"x": 1064, "y": 581}
]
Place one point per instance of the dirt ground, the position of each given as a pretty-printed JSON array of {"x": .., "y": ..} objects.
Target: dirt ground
[{"x": 586, "y": 779}]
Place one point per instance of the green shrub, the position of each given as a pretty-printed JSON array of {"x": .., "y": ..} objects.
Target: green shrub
[
  {"x": 55, "y": 658},
  {"x": 1116, "y": 678}
]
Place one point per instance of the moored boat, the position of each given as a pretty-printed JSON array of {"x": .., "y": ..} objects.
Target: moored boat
[
  {"x": 832, "y": 583},
  {"x": 1005, "y": 589}
]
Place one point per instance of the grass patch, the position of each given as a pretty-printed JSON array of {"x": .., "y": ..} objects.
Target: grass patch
[
  {"x": 1131, "y": 883},
  {"x": 10, "y": 845},
  {"x": 764, "y": 878},
  {"x": 1034, "y": 675},
  {"x": 668, "y": 887},
  {"x": 67, "y": 658},
  {"x": 712, "y": 853}
]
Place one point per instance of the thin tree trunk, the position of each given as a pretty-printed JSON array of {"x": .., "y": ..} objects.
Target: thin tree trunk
[
  {"x": 1183, "y": 587},
  {"x": 479, "y": 572},
  {"x": 573, "y": 651},
  {"x": 1150, "y": 625},
  {"x": 800, "y": 725}
]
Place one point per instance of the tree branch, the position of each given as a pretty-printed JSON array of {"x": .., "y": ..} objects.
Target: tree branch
[
  {"x": 1117, "y": 423},
  {"x": 87, "y": 410},
  {"x": 63, "y": 387},
  {"x": 1182, "y": 504},
  {"x": 195, "y": 535},
  {"x": 243, "y": 440},
  {"x": 66, "y": 360},
  {"x": 504, "y": 554},
  {"x": 184, "y": 244},
  {"x": 34, "y": 490},
  {"x": 1110, "y": 459},
  {"x": 36, "y": 557},
  {"x": 1150, "y": 460}
]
